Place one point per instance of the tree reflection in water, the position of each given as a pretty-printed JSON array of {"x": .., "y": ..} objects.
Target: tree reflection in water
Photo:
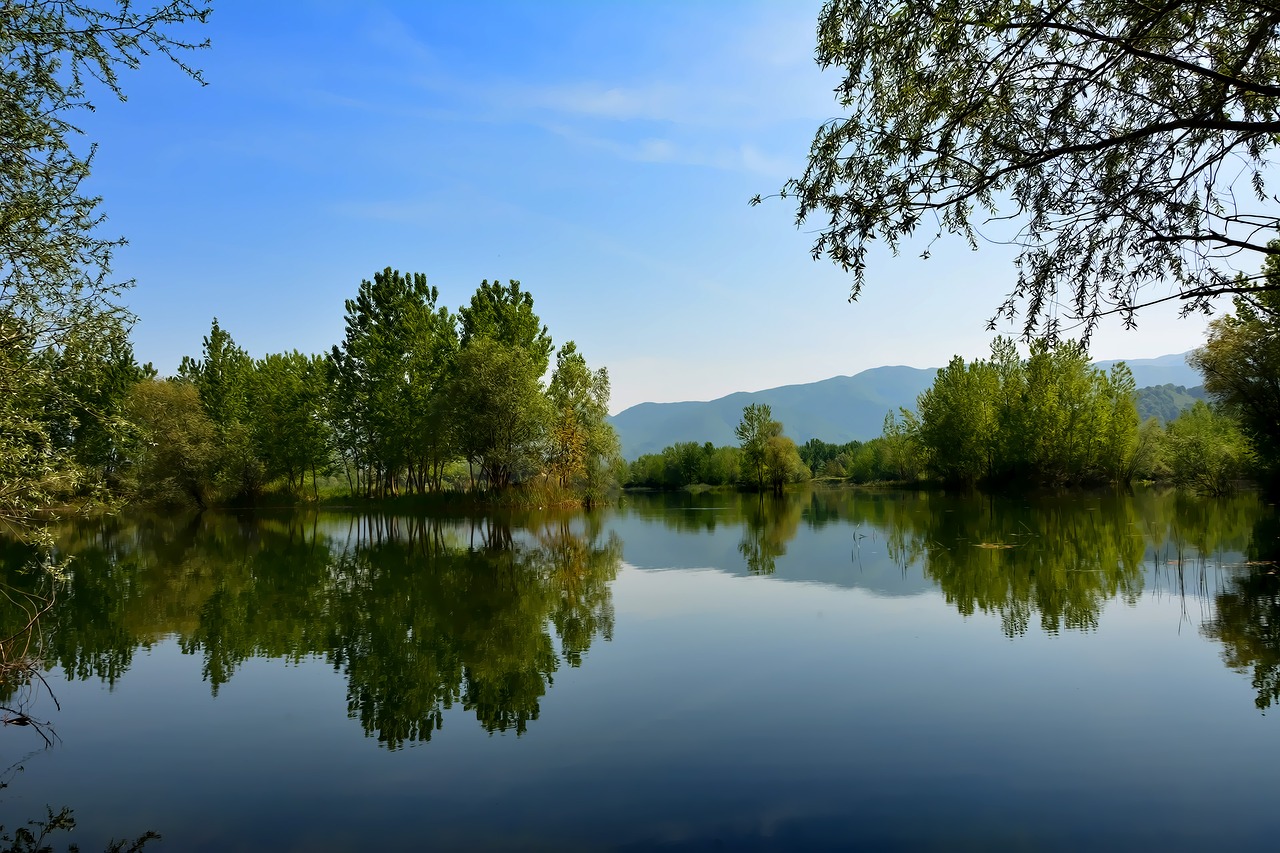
[
  {"x": 1247, "y": 615},
  {"x": 424, "y": 615},
  {"x": 418, "y": 614}
]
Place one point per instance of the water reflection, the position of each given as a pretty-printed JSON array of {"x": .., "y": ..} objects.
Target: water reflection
[
  {"x": 1055, "y": 561},
  {"x": 419, "y": 615},
  {"x": 422, "y": 616},
  {"x": 769, "y": 523},
  {"x": 1247, "y": 615}
]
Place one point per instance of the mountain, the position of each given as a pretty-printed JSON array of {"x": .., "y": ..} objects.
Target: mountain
[
  {"x": 840, "y": 409},
  {"x": 1165, "y": 370},
  {"x": 1166, "y": 402}
]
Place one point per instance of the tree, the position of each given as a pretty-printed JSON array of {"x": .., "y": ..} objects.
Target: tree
[
  {"x": 506, "y": 314},
  {"x": 56, "y": 289},
  {"x": 782, "y": 463},
  {"x": 1130, "y": 141},
  {"x": 958, "y": 421},
  {"x": 287, "y": 416},
  {"x": 1206, "y": 450},
  {"x": 1240, "y": 363},
  {"x": 500, "y": 411},
  {"x": 754, "y": 431},
  {"x": 386, "y": 378},
  {"x": 1051, "y": 418},
  {"x": 177, "y": 453},
  {"x": 223, "y": 376},
  {"x": 92, "y": 380},
  {"x": 582, "y": 443}
]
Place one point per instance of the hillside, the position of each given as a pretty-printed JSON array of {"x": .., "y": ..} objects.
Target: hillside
[
  {"x": 1166, "y": 402},
  {"x": 840, "y": 409},
  {"x": 1165, "y": 370}
]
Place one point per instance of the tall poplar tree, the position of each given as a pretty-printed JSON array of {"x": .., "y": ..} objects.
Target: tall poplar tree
[
  {"x": 385, "y": 375},
  {"x": 582, "y": 443},
  {"x": 753, "y": 432}
]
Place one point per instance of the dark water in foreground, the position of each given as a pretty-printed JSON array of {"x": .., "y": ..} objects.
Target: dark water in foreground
[{"x": 833, "y": 670}]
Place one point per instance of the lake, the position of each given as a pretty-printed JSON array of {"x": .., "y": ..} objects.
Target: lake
[{"x": 832, "y": 669}]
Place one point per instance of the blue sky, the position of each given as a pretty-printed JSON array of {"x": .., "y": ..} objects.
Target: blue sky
[{"x": 601, "y": 153}]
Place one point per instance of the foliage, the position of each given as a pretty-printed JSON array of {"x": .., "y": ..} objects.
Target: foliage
[
  {"x": 782, "y": 463},
  {"x": 1049, "y": 419},
  {"x": 86, "y": 415},
  {"x": 397, "y": 405},
  {"x": 500, "y": 411},
  {"x": 582, "y": 445},
  {"x": 897, "y": 454},
  {"x": 828, "y": 460},
  {"x": 1166, "y": 402},
  {"x": 1206, "y": 450},
  {"x": 505, "y": 314},
  {"x": 177, "y": 454},
  {"x": 287, "y": 416},
  {"x": 223, "y": 377},
  {"x": 754, "y": 431},
  {"x": 1240, "y": 363},
  {"x": 686, "y": 463},
  {"x": 1119, "y": 136},
  {"x": 388, "y": 377},
  {"x": 57, "y": 297}
]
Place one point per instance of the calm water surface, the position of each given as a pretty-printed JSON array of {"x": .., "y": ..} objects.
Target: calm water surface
[{"x": 831, "y": 670}]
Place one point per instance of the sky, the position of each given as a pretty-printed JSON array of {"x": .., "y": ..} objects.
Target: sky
[{"x": 602, "y": 154}]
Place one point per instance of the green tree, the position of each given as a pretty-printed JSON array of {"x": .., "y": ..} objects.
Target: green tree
[
  {"x": 433, "y": 352},
  {"x": 177, "y": 453},
  {"x": 223, "y": 376},
  {"x": 1240, "y": 363},
  {"x": 1049, "y": 419},
  {"x": 754, "y": 431},
  {"x": 1104, "y": 129},
  {"x": 1122, "y": 451},
  {"x": 386, "y": 379},
  {"x": 1206, "y": 450},
  {"x": 582, "y": 444},
  {"x": 898, "y": 454},
  {"x": 86, "y": 409},
  {"x": 287, "y": 416},
  {"x": 782, "y": 463},
  {"x": 958, "y": 421},
  {"x": 505, "y": 314},
  {"x": 500, "y": 411},
  {"x": 57, "y": 293}
]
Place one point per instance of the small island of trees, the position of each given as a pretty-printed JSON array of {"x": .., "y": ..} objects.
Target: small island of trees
[{"x": 416, "y": 399}]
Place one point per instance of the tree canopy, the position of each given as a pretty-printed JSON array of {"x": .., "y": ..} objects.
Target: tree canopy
[
  {"x": 1128, "y": 143},
  {"x": 1240, "y": 362},
  {"x": 57, "y": 295}
]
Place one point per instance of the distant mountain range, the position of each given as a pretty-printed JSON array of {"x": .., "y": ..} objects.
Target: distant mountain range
[{"x": 839, "y": 409}]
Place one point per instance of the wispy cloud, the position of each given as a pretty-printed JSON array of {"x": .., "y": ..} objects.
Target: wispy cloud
[
  {"x": 658, "y": 102},
  {"x": 744, "y": 157}
]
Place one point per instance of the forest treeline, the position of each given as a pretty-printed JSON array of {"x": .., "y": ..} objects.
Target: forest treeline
[
  {"x": 416, "y": 399},
  {"x": 1049, "y": 419}
]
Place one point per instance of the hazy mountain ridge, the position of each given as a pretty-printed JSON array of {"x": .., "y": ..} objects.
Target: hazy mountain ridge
[{"x": 839, "y": 409}]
